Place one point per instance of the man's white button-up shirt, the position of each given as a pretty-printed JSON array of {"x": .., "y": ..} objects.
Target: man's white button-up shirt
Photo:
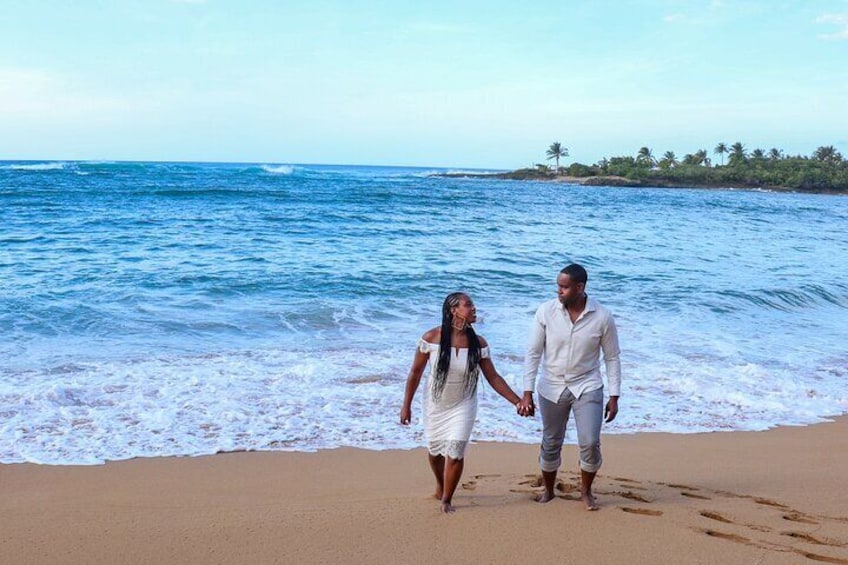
[{"x": 572, "y": 351}]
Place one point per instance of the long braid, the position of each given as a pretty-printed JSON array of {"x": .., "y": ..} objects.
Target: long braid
[{"x": 473, "y": 369}]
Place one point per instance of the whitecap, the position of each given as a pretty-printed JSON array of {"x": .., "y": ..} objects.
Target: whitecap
[
  {"x": 278, "y": 169},
  {"x": 53, "y": 166}
]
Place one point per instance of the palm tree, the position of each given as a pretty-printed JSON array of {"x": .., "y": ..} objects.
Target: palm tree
[
  {"x": 701, "y": 157},
  {"x": 737, "y": 153},
  {"x": 758, "y": 155},
  {"x": 669, "y": 160},
  {"x": 720, "y": 149},
  {"x": 645, "y": 157},
  {"x": 556, "y": 151},
  {"x": 827, "y": 154},
  {"x": 775, "y": 154},
  {"x": 689, "y": 159}
]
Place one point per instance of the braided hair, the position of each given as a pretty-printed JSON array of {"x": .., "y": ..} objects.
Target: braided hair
[{"x": 446, "y": 345}]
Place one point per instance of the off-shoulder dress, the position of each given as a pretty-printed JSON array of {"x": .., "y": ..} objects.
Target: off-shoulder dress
[{"x": 449, "y": 416}]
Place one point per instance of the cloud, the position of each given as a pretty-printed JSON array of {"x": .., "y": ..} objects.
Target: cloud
[
  {"x": 674, "y": 18},
  {"x": 839, "y": 20}
]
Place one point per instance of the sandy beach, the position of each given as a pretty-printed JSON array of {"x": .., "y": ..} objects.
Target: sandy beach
[{"x": 769, "y": 497}]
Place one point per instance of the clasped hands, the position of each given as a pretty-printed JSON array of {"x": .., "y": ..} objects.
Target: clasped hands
[{"x": 526, "y": 407}]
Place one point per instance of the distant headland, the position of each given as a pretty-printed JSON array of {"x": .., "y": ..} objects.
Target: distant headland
[{"x": 825, "y": 171}]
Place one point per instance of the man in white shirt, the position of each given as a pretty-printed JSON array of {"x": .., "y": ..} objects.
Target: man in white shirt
[{"x": 570, "y": 332}]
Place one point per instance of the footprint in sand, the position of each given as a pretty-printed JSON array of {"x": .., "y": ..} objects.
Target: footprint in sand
[
  {"x": 523, "y": 491},
  {"x": 768, "y": 502},
  {"x": 693, "y": 495},
  {"x": 715, "y": 516},
  {"x": 642, "y": 511},
  {"x": 798, "y": 517},
  {"x": 813, "y": 539},
  {"x": 536, "y": 481},
  {"x": 822, "y": 558},
  {"x": 470, "y": 485},
  {"x": 731, "y": 537},
  {"x": 633, "y": 496},
  {"x": 566, "y": 487},
  {"x": 674, "y": 485},
  {"x": 626, "y": 480}
]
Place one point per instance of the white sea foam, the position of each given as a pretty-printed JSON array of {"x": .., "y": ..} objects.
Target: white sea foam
[
  {"x": 457, "y": 172},
  {"x": 473, "y": 172},
  {"x": 52, "y": 166},
  {"x": 349, "y": 395},
  {"x": 278, "y": 169}
]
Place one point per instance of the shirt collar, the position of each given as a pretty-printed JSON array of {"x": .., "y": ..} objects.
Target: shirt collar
[{"x": 591, "y": 306}]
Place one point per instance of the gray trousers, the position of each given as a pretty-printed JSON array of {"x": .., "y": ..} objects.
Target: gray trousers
[{"x": 588, "y": 415}]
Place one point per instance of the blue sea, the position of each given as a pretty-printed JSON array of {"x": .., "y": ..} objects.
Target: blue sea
[{"x": 153, "y": 309}]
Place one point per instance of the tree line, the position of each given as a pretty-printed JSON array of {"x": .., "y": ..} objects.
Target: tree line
[{"x": 824, "y": 170}]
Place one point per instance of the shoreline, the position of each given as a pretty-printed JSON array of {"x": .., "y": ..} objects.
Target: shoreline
[
  {"x": 771, "y": 497},
  {"x": 99, "y": 461},
  {"x": 623, "y": 182}
]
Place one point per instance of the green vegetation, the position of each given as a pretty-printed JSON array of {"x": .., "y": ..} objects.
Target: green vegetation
[{"x": 824, "y": 171}]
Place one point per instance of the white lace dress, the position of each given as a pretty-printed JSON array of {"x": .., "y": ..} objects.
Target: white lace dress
[{"x": 448, "y": 419}]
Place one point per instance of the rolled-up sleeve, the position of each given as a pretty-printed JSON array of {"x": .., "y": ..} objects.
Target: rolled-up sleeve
[
  {"x": 535, "y": 349},
  {"x": 612, "y": 357}
]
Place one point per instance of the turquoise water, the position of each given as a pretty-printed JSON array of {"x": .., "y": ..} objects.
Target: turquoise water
[{"x": 182, "y": 308}]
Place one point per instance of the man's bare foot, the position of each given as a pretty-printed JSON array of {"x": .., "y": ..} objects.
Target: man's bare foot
[
  {"x": 544, "y": 497},
  {"x": 589, "y": 500},
  {"x": 447, "y": 508}
]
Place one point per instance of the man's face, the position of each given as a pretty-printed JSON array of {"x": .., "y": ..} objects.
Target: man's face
[{"x": 568, "y": 290}]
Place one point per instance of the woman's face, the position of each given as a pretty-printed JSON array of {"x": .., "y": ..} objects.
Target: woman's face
[{"x": 465, "y": 310}]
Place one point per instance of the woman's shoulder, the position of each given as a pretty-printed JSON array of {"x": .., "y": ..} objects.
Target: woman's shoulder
[
  {"x": 482, "y": 340},
  {"x": 432, "y": 335},
  {"x": 429, "y": 342}
]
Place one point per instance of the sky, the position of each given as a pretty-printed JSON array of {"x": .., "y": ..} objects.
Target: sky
[{"x": 466, "y": 84}]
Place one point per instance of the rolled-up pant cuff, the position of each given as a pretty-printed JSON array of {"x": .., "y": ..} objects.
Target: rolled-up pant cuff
[
  {"x": 550, "y": 466},
  {"x": 590, "y": 468}
]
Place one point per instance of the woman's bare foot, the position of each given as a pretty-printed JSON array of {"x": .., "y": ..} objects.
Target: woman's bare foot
[
  {"x": 589, "y": 500},
  {"x": 438, "y": 494},
  {"x": 447, "y": 508},
  {"x": 544, "y": 496}
]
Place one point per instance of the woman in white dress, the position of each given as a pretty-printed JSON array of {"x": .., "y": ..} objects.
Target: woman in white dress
[{"x": 457, "y": 355}]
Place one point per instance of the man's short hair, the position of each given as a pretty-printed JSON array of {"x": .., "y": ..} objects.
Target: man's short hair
[{"x": 576, "y": 272}]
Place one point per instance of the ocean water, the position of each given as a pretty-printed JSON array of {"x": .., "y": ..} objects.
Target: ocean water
[{"x": 152, "y": 309}]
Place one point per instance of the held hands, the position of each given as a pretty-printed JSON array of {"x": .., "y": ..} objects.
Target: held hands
[{"x": 526, "y": 407}]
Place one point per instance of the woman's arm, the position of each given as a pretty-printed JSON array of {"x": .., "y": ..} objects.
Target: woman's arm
[
  {"x": 419, "y": 362},
  {"x": 497, "y": 381}
]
